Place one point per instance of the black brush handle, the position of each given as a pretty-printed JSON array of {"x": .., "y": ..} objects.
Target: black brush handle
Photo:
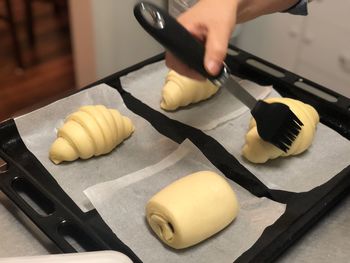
[{"x": 173, "y": 36}]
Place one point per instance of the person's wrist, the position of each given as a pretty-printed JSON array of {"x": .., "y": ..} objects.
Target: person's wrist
[
  {"x": 250, "y": 9},
  {"x": 299, "y": 8}
]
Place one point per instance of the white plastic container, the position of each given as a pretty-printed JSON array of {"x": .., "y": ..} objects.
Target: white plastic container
[{"x": 86, "y": 257}]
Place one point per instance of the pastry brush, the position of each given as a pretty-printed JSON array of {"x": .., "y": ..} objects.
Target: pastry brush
[{"x": 275, "y": 122}]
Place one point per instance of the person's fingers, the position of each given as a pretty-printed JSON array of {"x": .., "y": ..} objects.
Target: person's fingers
[
  {"x": 172, "y": 62},
  {"x": 212, "y": 30},
  {"x": 216, "y": 49},
  {"x": 198, "y": 30}
]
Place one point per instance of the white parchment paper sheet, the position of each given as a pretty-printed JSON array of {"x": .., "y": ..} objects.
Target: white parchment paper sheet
[
  {"x": 38, "y": 130},
  {"x": 147, "y": 83},
  {"x": 328, "y": 155},
  {"x": 121, "y": 203}
]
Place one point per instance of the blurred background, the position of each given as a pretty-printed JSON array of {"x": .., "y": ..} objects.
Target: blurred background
[
  {"x": 35, "y": 53},
  {"x": 316, "y": 47},
  {"x": 49, "y": 48}
]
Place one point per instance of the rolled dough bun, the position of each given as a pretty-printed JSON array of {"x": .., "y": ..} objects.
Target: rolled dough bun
[
  {"x": 91, "y": 131},
  {"x": 257, "y": 150},
  {"x": 192, "y": 209},
  {"x": 179, "y": 91}
]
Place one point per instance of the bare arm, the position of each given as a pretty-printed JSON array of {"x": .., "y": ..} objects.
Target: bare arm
[{"x": 250, "y": 9}]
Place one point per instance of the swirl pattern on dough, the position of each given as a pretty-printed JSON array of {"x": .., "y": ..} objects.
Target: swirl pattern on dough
[
  {"x": 90, "y": 131},
  {"x": 257, "y": 150},
  {"x": 192, "y": 209},
  {"x": 180, "y": 91}
]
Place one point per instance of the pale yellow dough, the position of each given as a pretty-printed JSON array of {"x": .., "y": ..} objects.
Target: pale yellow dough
[
  {"x": 179, "y": 91},
  {"x": 91, "y": 131},
  {"x": 257, "y": 150},
  {"x": 192, "y": 209}
]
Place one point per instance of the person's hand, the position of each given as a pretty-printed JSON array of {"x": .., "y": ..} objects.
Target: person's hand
[{"x": 212, "y": 22}]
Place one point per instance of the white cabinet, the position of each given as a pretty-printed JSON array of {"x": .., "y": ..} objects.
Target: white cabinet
[
  {"x": 335, "y": 12},
  {"x": 274, "y": 37},
  {"x": 325, "y": 55},
  {"x": 316, "y": 47}
]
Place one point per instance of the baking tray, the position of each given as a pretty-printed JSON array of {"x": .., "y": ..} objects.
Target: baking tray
[{"x": 28, "y": 184}]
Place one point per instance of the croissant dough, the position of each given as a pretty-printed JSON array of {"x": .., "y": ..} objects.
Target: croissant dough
[
  {"x": 91, "y": 131},
  {"x": 257, "y": 150},
  {"x": 192, "y": 209},
  {"x": 181, "y": 91}
]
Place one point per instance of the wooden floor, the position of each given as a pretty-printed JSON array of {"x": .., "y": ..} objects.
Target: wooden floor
[{"x": 48, "y": 68}]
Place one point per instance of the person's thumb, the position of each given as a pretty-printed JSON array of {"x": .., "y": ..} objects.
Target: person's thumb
[{"x": 215, "y": 50}]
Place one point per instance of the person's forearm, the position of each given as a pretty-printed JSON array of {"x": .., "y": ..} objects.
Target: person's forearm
[{"x": 250, "y": 9}]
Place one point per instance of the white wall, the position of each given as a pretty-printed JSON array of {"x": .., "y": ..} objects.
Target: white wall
[
  {"x": 107, "y": 38},
  {"x": 315, "y": 47},
  {"x": 273, "y": 37}
]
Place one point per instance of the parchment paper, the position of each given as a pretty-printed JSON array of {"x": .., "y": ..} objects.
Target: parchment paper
[
  {"x": 38, "y": 130},
  {"x": 147, "y": 83},
  {"x": 328, "y": 155},
  {"x": 121, "y": 203}
]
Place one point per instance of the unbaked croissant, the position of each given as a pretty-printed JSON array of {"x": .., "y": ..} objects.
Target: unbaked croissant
[
  {"x": 91, "y": 131},
  {"x": 181, "y": 91},
  {"x": 257, "y": 150},
  {"x": 192, "y": 209}
]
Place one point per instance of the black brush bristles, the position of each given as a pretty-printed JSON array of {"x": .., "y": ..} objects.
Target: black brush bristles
[
  {"x": 276, "y": 123},
  {"x": 288, "y": 133}
]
